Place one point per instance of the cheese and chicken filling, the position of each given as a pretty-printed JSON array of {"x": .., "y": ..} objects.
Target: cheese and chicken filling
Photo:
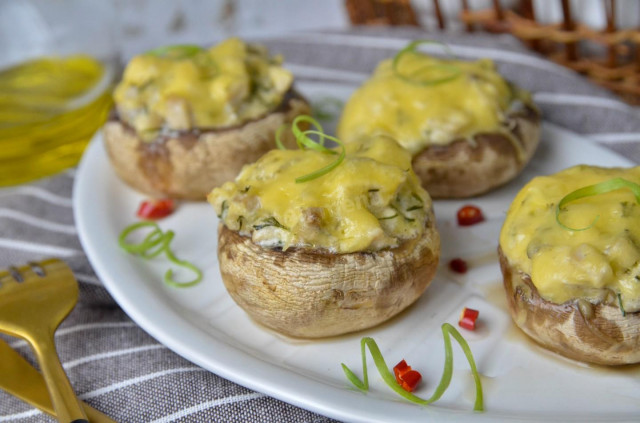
[
  {"x": 420, "y": 115},
  {"x": 598, "y": 262},
  {"x": 369, "y": 202},
  {"x": 224, "y": 85}
]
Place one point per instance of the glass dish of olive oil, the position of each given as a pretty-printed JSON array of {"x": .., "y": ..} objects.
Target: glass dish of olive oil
[
  {"x": 50, "y": 108},
  {"x": 57, "y": 65}
]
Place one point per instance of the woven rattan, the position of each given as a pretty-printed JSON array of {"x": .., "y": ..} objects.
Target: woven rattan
[{"x": 610, "y": 57}]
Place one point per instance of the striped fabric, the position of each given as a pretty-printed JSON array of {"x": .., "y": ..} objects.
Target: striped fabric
[{"x": 119, "y": 369}]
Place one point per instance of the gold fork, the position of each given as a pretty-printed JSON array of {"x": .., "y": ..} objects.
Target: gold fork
[{"x": 34, "y": 300}]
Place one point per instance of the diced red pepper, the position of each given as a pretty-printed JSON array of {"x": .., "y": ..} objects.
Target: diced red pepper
[
  {"x": 468, "y": 318},
  {"x": 406, "y": 377},
  {"x": 469, "y": 215},
  {"x": 458, "y": 265},
  {"x": 400, "y": 369},
  {"x": 155, "y": 209},
  {"x": 410, "y": 380}
]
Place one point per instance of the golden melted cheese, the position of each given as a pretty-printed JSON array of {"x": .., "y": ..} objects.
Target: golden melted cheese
[
  {"x": 417, "y": 115},
  {"x": 371, "y": 201},
  {"x": 564, "y": 264},
  {"x": 225, "y": 85}
]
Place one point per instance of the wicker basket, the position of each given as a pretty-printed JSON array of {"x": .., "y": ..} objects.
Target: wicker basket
[{"x": 609, "y": 57}]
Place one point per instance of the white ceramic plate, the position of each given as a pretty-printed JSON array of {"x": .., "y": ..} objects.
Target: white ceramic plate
[{"x": 521, "y": 381}]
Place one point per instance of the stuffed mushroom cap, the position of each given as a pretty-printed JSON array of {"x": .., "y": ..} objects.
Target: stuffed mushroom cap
[
  {"x": 467, "y": 128},
  {"x": 338, "y": 253},
  {"x": 185, "y": 87},
  {"x": 187, "y": 119},
  {"x": 572, "y": 274}
]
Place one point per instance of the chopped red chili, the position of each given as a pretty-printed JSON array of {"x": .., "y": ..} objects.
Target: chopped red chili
[
  {"x": 468, "y": 318},
  {"x": 469, "y": 215},
  {"x": 406, "y": 377},
  {"x": 155, "y": 209},
  {"x": 401, "y": 368},
  {"x": 410, "y": 380},
  {"x": 458, "y": 265}
]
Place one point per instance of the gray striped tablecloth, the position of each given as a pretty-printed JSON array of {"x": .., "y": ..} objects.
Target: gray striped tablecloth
[{"x": 119, "y": 369}]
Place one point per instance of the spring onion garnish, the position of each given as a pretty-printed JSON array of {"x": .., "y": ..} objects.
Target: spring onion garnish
[
  {"x": 591, "y": 190},
  {"x": 622, "y": 310},
  {"x": 155, "y": 243},
  {"x": 271, "y": 221},
  {"x": 305, "y": 142},
  {"x": 223, "y": 209},
  {"x": 398, "y": 212},
  {"x": 447, "y": 331},
  {"x": 179, "y": 51},
  {"x": 449, "y": 72}
]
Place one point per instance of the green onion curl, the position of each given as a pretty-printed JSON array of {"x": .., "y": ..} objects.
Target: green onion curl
[
  {"x": 279, "y": 143},
  {"x": 592, "y": 190},
  {"x": 153, "y": 244},
  {"x": 178, "y": 51},
  {"x": 447, "y": 331},
  {"x": 451, "y": 71},
  {"x": 304, "y": 142}
]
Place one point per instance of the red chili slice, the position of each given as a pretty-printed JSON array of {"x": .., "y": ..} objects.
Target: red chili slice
[
  {"x": 406, "y": 377},
  {"x": 469, "y": 215},
  {"x": 468, "y": 318},
  {"x": 410, "y": 380},
  {"x": 458, "y": 265},
  {"x": 155, "y": 209},
  {"x": 400, "y": 369}
]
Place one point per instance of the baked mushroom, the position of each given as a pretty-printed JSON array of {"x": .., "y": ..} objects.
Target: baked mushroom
[
  {"x": 467, "y": 128},
  {"x": 570, "y": 257},
  {"x": 326, "y": 253},
  {"x": 187, "y": 119}
]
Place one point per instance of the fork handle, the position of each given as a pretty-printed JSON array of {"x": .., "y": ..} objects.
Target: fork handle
[{"x": 68, "y": 407}]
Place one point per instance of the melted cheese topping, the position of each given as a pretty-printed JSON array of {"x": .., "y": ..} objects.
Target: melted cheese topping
[
  {"x": 593, "y": 263},
  {"x": 371, "y": 201},
  {"x": 225, "y": 85},
  {"x": 422, "y": 115}
]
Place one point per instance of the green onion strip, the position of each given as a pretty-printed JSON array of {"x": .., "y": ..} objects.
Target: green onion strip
[
  {"x": 179, "y": 51},
  {"x": 305, "y": 142},
  {"x": 447, "y": 330},
  {"x": 155, "y": 243},
  {"x": 622, "y": 310},
  {"x": 592, "y": 190},
  {"x": 452, "y": 71}
]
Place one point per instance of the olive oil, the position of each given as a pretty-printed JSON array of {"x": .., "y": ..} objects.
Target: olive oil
[{"x": 49, "y": 110}]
